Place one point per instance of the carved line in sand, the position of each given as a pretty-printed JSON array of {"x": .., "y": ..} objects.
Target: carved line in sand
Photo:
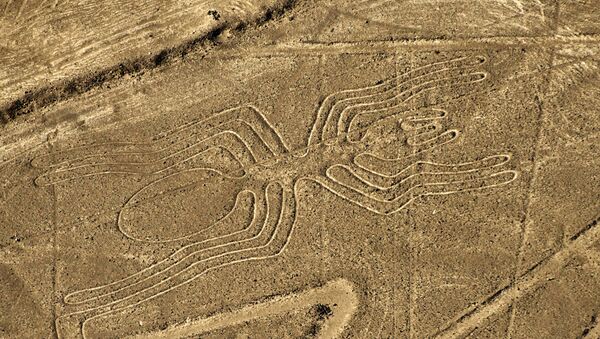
[
  {"x": 375, "y": 103},
  {"x": 413, "y": 182},
  {"x": 382, "y": 185},
  {"x": 243, "y": 132},
  {"x": 339, "y": 111},
  {"x": 266, "y": 237},
  {"x": 14, "y": 10},
  {"x": 529, "y": 282},
  {"x": 339, "y": 292},
  {"x": 575, "y": 119}
]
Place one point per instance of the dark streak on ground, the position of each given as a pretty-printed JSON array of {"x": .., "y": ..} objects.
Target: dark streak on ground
[
  {"x": 589, "y": 226},
  {"x": 593, "y": 323},
  {"x": 323, "y": 311},
  {"x": 46, "y": 96},
  {"x": 499, "y": 293},
  {"x": 320, "y": 312}
]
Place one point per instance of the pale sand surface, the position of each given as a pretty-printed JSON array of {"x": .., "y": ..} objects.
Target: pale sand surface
[{"x": 353, "y": 169}]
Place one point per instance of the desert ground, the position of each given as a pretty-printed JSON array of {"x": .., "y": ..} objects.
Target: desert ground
[{"x": 300, "y": 169}]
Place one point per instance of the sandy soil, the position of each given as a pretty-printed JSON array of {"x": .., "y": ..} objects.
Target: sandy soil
[{"x": 329, "y": 169}]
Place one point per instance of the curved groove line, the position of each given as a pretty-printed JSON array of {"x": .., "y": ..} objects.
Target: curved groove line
[
  {"x": 225, "y": 133},
  {"x": 397, "y": 103},
  {"x": 291, "y": 221},
  {"x": 172, "y": 144},
  {"x": 175, "y": 257},
  {"x": 245, "y": 130},
  {"x": 319, "y": 124},
  {"x": 387, "y": 207},
  {"x": 398, "y": 174},
  {"x": 401, "y": 178},
  {"x": 208, "y": 228},
  {"x": 168, "y": 156},
  {"x": 275, "y": 232},
  {"x": 330, "y": 121}
]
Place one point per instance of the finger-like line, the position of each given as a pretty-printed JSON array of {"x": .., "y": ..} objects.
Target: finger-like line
[
  {"x": 319, "y": 124},
  {"x": 246, "y": 250},
  {"x": 409, "y": 177},
  {"x": 391, "y": 82},
  {"x": 156, "y": 162},
  {"x": 450, "y": 135},
  {"x": 346, "y": 115},
  {"x": 174, "y": 257},
  {"x": 331, "y": 115},
  {"x": 433, "y": 141},
  {"x": 346, "y": 193},
  {"x": 427, "y": 135},
  {"x": 417, "y": 118},
  {"x": 513, "y": 176},
  {"x": 166, "y": 148},
  {"x": 398, "y": 179},
  {"x": 291, "y": 222},
  {"x": 204, "y": 230},
  {"x": 422, "y": 186},
  {"x": 505, "y": 158},
  {"x": 400, "y": 85},
  {"x": 168, "y": 268},
  {"x": 421, "y": 127},
  {"x": 410, "y": 124}
]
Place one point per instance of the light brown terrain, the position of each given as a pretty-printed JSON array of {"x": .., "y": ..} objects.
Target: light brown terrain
[
  {"x": 45, "y": 41},
  {"x": 299, "y": 169}
]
